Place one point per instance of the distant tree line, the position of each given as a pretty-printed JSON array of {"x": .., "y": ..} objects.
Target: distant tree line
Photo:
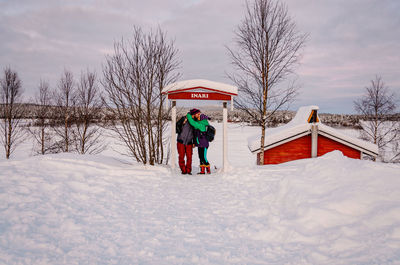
[
  {"x": 73, "y": 116},
  {"x": 281, "y": 117}
]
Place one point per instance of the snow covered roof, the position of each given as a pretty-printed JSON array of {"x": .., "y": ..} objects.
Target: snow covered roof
[
  {"x": 300, "y": 126},
  {"x": 303, "y": 115},
  {"x": 363, "y": 146},
  {"x": 200, "y": 84}
]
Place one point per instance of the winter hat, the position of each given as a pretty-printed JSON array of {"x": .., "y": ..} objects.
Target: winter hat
[
  {"x": 204, "y": 117},
  {"x": 194, "y": 111}
]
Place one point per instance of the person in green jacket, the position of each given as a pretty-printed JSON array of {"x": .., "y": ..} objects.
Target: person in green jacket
[{"x": 199, "y": 122}]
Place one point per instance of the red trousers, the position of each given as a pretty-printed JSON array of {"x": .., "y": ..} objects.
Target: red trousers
[{"x": 185, "y": 150}]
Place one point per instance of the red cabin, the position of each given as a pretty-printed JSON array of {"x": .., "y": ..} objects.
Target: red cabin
[{"x": 306, "y": 137}]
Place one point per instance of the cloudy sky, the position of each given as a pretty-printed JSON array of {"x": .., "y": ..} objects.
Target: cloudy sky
[{"x": 350, "y": 41}]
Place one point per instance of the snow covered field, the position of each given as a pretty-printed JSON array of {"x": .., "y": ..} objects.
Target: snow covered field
[{"x": 73, "y": 209}]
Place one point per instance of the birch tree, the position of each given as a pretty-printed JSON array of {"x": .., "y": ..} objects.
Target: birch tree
[
  {"x": 65, "y": 100},
  {"x": 12, "y": 111},
  {"x": 375, "y": 106},
  {"x": 267, "y": 50},
  {"x": 133, "y": 80},
  {"x": 87, "y": 112},
  {"x": 42, "y": 100}
]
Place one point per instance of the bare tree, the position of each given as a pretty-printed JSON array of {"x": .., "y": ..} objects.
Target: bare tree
[
  {"x": 133, "y": 79},
  {"x": 88, "y": 110},
  {"x": 65, "y": 99},
  {"x": 11, "y": 111},
  {"x": 167, "y": 64},
  {"x": 395, "y": 157},
  {"x": 375, "y": 106},
  {"x": 267, "y": 50},
  {"x": 42, "y": 101}
]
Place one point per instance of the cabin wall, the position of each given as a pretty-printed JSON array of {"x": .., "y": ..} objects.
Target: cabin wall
[
  {"x": 297, "y": 149},
  {"x": 326, "y": 145},
  {"x": 301, "y": 148}
]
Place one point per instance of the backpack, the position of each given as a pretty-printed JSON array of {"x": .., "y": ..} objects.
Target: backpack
[
  {"x": 210, "y": 133},
  {"x": 179, "y": 125}
]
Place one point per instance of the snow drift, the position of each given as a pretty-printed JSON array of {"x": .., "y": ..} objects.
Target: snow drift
[{"x": 73, "y": 209}]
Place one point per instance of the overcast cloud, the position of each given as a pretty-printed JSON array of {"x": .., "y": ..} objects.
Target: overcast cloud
[{"x": 350, "y": 41}]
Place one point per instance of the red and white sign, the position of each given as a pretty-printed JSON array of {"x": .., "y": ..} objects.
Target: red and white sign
[
  {"x": 199, "y": 96},
  {"x": 199, "y": 92}
]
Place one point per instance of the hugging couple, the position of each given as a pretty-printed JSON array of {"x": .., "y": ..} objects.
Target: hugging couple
[{"x": 191, "y": 131}]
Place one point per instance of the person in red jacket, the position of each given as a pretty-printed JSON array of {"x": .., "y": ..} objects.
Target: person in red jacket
[{"x": 185, "y": 142}]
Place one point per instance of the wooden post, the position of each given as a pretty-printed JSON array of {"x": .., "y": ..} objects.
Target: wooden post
[
  {"x": 314, "y": 140},
  {"x": 173, "y": 135},
  {"x": 224, "y": 137}
]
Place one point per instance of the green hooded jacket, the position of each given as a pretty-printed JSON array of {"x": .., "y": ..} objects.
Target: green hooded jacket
[{"x": 199, "y": 125}]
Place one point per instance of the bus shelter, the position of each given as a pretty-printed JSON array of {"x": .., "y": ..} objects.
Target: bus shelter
[{"x": 199, "y": 89}]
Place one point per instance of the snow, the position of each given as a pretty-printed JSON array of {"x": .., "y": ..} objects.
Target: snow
[
  {"x": 84, "y": 209},
  {"x": 186, "y": 84},
  {"x": 275, "y": 135},
  {"x": 299, "y": 127},
  {"x": 302, "y": 115}
]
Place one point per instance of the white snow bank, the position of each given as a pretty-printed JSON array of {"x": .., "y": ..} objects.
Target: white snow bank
[
  {"x": 72, "y": 209},
  {"x": 200, "y": 83}
]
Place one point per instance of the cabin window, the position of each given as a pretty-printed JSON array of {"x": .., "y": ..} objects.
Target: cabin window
[{"x": 313, "y": 117}]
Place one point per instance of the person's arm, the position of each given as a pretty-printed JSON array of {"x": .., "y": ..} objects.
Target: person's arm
[{"x": 196, "y": 124}]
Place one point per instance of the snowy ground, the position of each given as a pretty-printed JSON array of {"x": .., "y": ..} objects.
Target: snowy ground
[{"x": 72, "y": 209}]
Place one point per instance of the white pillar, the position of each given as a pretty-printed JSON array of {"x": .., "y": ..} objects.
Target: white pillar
[
  {"x": 314, "y": 140},
  {"x": 173, "y": 135},
  {"x": 224, "y": 137}
]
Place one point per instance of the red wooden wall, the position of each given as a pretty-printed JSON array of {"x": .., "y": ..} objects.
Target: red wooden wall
[
  {"x": 326, "y": 145},
  {"x": 301, "y": 148},
  {"x": 293, "y": 150}
]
